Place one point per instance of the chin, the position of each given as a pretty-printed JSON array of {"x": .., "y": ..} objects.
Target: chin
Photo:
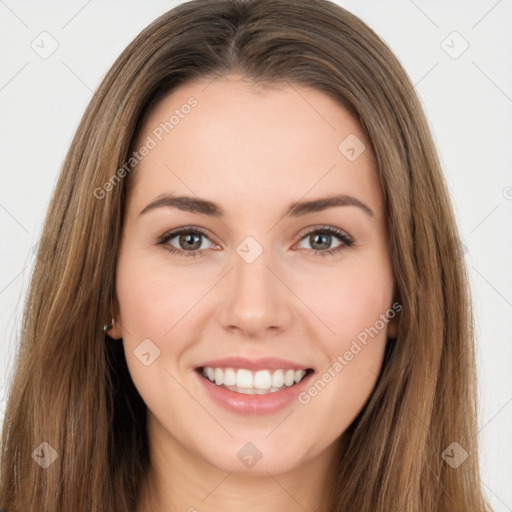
[{"x": 257, "y": 457}]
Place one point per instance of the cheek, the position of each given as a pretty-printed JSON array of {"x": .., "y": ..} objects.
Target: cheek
[
  {"x": 350, "y": 301},
  {"x": 151, "y": 302},
  {"x": 352, "y": 307},
  {"x": 153, "y": 297}
]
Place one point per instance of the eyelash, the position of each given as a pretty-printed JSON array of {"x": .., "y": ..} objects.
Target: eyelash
[{"x": 343, "y": 237}]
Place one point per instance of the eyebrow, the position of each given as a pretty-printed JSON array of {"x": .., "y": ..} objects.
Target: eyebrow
[{"x": 295, "y": 209}]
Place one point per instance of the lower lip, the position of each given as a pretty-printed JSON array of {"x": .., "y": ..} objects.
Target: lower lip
[{"x": 254, "y": 404}]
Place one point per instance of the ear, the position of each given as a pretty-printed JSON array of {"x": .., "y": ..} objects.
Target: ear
[{"x": 116, "y": 332}]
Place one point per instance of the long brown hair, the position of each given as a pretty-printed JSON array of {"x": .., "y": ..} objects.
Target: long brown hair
[{"x": 71, "y": 387}]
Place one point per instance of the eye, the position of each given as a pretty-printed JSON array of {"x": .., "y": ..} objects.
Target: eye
[
  {"x": 188, "y": 241},
  {"x": 320, "y": 238}
]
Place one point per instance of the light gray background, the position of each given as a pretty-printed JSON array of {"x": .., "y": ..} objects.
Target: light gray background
[{"x": 468, "y": 101}]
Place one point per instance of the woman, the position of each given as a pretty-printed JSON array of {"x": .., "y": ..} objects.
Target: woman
[{"x": 254, "y": 366}]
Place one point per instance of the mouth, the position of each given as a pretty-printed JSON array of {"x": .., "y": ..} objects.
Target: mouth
[{"x": 250, "y": 382}]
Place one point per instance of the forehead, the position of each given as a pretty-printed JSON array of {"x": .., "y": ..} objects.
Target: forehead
[{"x": 231, "y": 139}]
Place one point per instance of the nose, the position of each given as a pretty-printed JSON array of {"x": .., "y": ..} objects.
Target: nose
[{"x": 256, "y": 301}]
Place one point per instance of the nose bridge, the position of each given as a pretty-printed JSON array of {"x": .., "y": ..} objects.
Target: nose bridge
[
  {"x": 255, "y": 297},
  {"x": 253, "y": 281},
  {"x": 251, "y": 271}
]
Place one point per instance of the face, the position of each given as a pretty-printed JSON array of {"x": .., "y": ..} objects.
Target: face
[{"x": 262, "y": 290}]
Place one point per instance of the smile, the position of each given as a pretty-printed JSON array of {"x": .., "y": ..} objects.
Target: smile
[{"x": 249, "y": 382}]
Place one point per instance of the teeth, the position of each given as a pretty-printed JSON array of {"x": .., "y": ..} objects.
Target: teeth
[
  {"x": 262, "y": 380},
  {"x": 244, "y": 379},
  {"x": 278, "y": 379},
  {"x": 289, "y": 377},
  {"x": 248, "y": 382},
  {"x": 219, "y": 376},
  {"x": 229, "y": 377}
]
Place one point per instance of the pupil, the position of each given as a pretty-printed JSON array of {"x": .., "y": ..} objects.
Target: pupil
[
  {"x": 326, "y": 239},
  {"x": 188, "y": 239}
]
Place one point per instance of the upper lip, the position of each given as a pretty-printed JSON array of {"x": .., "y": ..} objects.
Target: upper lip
[{"x": 264, "y": 363}]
